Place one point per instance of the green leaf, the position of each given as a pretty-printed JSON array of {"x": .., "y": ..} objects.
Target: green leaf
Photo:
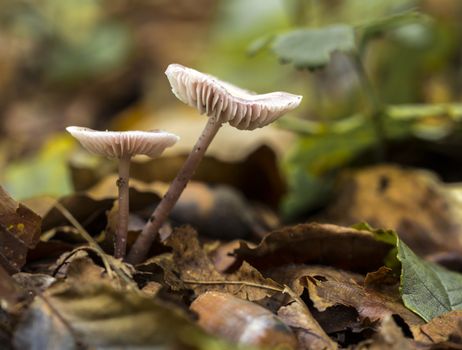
[
  {"x": 312, "y": 48},
  {"x": 381, "y": 25},
  {"x": 259, "y": 44},
  {"x": 426, "y": 288}
]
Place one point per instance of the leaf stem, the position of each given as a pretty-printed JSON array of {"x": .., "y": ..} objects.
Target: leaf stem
[
  {"x": 243, "y": 283},
  {"x": 377, "y": 106}
]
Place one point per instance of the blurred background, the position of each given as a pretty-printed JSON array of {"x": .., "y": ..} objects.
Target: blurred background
[{"x": 381, "y": 82}]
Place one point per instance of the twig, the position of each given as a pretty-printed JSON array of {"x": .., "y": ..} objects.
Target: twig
[
  {"x": 377, "y": 107},
  {"x": 86, "y": 236},
  {"x": 243, "y": 283}
]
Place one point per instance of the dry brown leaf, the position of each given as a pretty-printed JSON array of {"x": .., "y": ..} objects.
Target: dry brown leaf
[
  {"x": 328, "y": 287},
  {"x": 342, "y": 247},
  {"x": 222, "y": 254},
  {"x": 241, "y": 321},
  {"x": 194, "y": 268},
  {"x": 388, "y": 337},
  {"x": 9, "y": 290},
  {"x": 19, "y": 232},
  {"x": 440, "y": 329},
  {"x": 309, "y": 334},
  {"x": 417, "y": 205},
  {"x": 100, "y": 317}
]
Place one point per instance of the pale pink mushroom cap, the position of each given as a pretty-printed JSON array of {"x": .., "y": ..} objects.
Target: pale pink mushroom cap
[
  {"x": 115, "y": 144},
  {"x": 228, "y": 103}
]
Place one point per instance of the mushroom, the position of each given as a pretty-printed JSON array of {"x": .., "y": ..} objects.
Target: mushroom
[
  {"x": 123, "y": 146},
  {"x": 222, "y": 103}
]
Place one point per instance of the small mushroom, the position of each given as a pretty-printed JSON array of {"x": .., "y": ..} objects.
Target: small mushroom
[
  {"x": 222, "y": 103},
  {"x": 123, "y": 146}
]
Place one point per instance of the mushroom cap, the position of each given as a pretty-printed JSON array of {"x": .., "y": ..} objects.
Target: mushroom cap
[
  {"x": 118, "y": 144},
  {"x": 228, "y": 103}
]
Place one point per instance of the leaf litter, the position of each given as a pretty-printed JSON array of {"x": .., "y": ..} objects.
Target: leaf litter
[{"x": 329, "y": 286}]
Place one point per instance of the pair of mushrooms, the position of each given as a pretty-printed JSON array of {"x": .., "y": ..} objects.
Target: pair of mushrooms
[{"x": 220, "y": 101}]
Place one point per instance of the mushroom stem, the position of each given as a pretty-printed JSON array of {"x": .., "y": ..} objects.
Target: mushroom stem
[
  {"x": 122, "y": 227},
  {"x": 144, "y": 241}
]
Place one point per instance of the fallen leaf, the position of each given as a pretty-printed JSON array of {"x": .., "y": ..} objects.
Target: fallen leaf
[
  {"x": 388, "y": 337},
  {"x": 329, "y": 287},
  {"x": 341, "y": 287},
  {"x": 427, "y": 289},
  {"x": 193, "y": 268},
  {"x": 10, "y": 293},
  {"x": 19, "y": 232},
  {"x": 428, "y": 219},
  {"x": 241, "y": 321},
  {"x": 309, "y": 334},
  {"x": 98, "y": 316},
  {"x": 440, "y": 329},
  {"x": 313, "y": 243}
]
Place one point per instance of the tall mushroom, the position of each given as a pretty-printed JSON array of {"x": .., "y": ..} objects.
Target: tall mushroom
[
  {"x": 123, "y": 146},
  {"x": 223, "y": 103}
]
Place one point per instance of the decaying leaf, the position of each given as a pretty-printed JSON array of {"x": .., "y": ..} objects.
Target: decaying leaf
[
  {"x": 9, "y": 290},
  {"x": 97, "y": 316},
  {"x": 428, "y": 219},
  {"x": 329, "y": 287},
  {"x": 441, "y": 328},
  {"x": 309, "y": 334},
  {"x": 195, "y": 270},
  {"x": 241, "y": 321},
  {"x": 388, "y": 337},
  {"x": 342, "y": 247},
  {"x": 19, "y": 232}
]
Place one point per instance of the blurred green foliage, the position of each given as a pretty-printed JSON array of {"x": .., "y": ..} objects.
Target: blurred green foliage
[
  {"x": 389, "y": 45},
  {"x": 44, "y": 174},
  {"x": 78, "y": 40},
  {"x": 372, "y": 65}
]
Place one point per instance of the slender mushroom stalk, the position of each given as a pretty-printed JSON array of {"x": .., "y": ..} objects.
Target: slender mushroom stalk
[
  {"x": 124, "y": 207},
  {"x": 223, "y": 103},
  {"x": 123, "y": 146},
  {"x": 163, "y": 209}
]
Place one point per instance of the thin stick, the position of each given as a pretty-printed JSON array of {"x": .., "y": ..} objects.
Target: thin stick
[
  {"x": 377, "y": 108},
  {"x": 243, "y": 283},
  {"x": 144, "y": 241},
  {"x": 122, "y": 227},
  {"x": 86, "y": 236}
]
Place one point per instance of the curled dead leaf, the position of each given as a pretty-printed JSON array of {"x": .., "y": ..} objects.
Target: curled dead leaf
[
  {"x": 309, "y": 334},
  {"x": 313, "y": 243},
  {"x": 241, "y": 321}
]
